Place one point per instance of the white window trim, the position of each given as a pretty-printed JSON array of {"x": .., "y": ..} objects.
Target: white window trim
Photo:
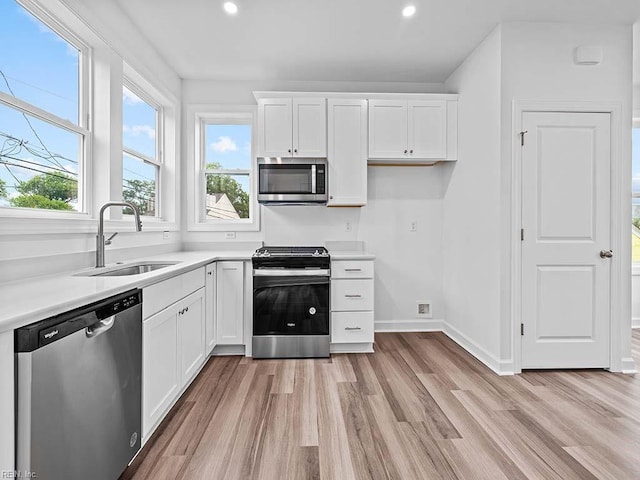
[
  {"x": 197, "y": 117},
  {"x": 159, "y": 140},
  {"x": 167, "y": 118},
  {"x": 16, "y": 217}
]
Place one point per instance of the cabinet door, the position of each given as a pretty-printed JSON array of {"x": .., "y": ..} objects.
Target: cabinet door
[
  {"x": 309, "y": 127},
  {"x": 388, "y": 129},
  {"x": 192, "y": 340},
  {"x": 427, "y": 129},
  {"x": 275, "y": 122},
  {"x": 347, "y": 152},
  {"x": 210, "y": 308},
  {"x": 160, "y": 375},
  {"x": 230, "y": 303}
]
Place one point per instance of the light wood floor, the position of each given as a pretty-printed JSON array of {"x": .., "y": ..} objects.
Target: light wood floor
[{"x": 419, "y": 408}]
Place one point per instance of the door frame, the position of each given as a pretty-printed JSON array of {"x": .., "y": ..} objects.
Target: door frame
[{"x": 619, "y": 305}]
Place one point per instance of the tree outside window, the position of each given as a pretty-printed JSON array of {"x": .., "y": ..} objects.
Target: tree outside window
[{"x": 228, "y": 160}]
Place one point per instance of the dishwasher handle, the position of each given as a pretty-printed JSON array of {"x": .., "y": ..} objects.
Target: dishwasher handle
[{"x": 100, "y": 327}]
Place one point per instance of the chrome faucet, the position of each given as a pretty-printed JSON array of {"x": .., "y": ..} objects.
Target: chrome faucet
[{"x": 100, "y": 240}]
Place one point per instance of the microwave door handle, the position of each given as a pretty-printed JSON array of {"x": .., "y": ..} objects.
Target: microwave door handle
[{"x": 313, "y": 179}]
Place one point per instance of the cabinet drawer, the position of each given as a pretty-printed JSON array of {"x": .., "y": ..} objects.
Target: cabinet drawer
[
  {"x": 352, "y": 269},
  {"x": 351, "y": 327},
  {"x": 351, "y": 295},
  {"x": 161, "y": 295}
]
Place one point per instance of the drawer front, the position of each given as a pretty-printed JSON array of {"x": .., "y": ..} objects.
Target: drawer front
[
  {"x": 351, "y": 327},
  {"x": 351, "y": 269},
  {"x": 351, "y": 295},
  {"x": 160, "y": 295}
]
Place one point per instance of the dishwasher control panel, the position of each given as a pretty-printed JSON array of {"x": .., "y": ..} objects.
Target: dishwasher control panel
[{"x": 44, "y": 332}]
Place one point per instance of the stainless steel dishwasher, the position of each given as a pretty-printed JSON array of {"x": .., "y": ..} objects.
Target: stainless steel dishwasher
[{"x": 79, "y": 391}]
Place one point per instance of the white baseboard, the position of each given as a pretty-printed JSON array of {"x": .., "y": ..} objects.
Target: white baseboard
[
  {"x": 628, "y": 366},
  {"x": 635, "y": 322},
  {"x": 228, "y": 350},
  {"x": 501, "y": 367},
  {"x": 352, "y": 348},
  {"x": 412, "y": 325}
]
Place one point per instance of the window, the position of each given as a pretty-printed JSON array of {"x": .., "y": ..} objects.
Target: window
[
  {"x": 221, "y": 177},
  {"x": 635, "y": 190},
  {"x": 43, "y": 131},
  {"x": 227, "y": 152},
  {"x": 141, "y": 159}
]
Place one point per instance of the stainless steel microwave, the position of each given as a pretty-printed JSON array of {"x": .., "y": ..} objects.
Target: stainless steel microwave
[{"x": 292, "y": 180}]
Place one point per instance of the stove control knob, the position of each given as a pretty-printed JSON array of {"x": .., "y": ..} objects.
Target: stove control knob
[{"x": 316, "y": 253}]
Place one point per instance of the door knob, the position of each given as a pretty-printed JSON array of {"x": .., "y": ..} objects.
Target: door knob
[{"x": 606, "y": 253}]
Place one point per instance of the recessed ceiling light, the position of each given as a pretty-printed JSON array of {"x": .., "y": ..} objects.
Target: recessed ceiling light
[
  {"x": 408, "y": 11},
  {"x": 230, "y": 7}
]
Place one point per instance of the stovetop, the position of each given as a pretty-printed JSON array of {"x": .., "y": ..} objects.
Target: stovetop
[
  {"x": 286, "y": 257},
  {"x": 283, "y": 251}
]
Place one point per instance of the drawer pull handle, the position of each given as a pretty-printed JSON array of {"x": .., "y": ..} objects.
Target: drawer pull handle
[
  {"x": 353, "y": 296},
  {"x": 352, "y": 269},
  {"x": 352, "y": 328}
]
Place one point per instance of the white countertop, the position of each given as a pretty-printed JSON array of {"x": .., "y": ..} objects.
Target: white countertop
[
  {"x": 33, "y": 299},
  {"x": 350, "y": 255}
]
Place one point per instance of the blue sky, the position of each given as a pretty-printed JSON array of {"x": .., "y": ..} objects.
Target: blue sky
[
  {"x": 42, "y": 68},
  {"x": 230, "y": 146}
]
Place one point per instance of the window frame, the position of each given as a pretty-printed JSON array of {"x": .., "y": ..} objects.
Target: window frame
[
  {"x": 82, "y": 128},
  {"x": 198, "y": 117},
  {"x": 635, "y": 124},
  {"x": 158, "y": 162}
]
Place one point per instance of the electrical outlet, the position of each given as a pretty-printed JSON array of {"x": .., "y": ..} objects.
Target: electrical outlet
[
  {"x": 229, "y": 235},
  {"x": 413, "y": 227},
  {"x": 348, "y": 226},
  {"x": 424, "y": 309},
  {"x": 165, "y": 235}
]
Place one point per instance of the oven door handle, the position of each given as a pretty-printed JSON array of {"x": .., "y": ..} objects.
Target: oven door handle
[{"x": 290, "y": 272}]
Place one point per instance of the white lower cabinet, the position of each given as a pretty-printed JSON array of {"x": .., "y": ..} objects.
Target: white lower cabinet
[
  {"x": 173, "y": 345},
  {"x": 160, "y": 376},
  {"x": 230, "y": 303},
  {"x": 210, "y": 326},
  {"x": 352, "y": 305}
]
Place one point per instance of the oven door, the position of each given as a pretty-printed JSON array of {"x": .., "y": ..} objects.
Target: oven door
[{"x": 290, "y": 305}]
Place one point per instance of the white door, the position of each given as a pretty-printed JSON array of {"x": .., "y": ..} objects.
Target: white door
[
  {"x": 347, "y": 156},
  {"x": 428, "y": 129},
  {"x": 388, "y": 129},
  {"x": 309, "y": 127},
  {"x": 566, "y": 213},
  {"x": 274, "y": 128}
]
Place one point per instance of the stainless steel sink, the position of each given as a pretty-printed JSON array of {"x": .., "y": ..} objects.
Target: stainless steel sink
[{"x": 126, "y": 270}]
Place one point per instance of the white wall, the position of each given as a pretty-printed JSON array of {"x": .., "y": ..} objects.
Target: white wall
[
  {"x": 472, "y": 234},
  {"x": 537, "y": 64},
  {"x": 519, "y": 62},
  {"x": 408, "y": 264}
]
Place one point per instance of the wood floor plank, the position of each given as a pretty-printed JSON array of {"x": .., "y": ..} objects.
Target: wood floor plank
[{"x": 420, "y": 407}]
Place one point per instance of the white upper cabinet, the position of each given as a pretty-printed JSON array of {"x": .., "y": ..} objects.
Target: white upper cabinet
[
  {"x": 292, "y": 127},
  {"x": 347, "y": 152},
  {"x": 412, "y": 131}
]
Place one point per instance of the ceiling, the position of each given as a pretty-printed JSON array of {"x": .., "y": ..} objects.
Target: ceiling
[{"x": 342, "y": 40}]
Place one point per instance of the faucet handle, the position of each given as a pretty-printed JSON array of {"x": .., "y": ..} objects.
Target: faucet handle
[{"x": 108, "y": 240}]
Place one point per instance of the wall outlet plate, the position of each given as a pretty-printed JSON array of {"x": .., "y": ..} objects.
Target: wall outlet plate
[
  {"x": 229, "y": 235},
  {"x": 165, "y": 235},
  {"x": 423, "y": 309}
]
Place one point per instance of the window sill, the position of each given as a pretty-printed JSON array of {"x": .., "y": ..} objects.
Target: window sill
[
  {"x": 231, "y": 226},
  {"x": 72, "y": 223}
]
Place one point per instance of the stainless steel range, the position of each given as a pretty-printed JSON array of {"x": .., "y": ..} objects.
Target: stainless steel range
[{"x": 291, "y": 302}]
